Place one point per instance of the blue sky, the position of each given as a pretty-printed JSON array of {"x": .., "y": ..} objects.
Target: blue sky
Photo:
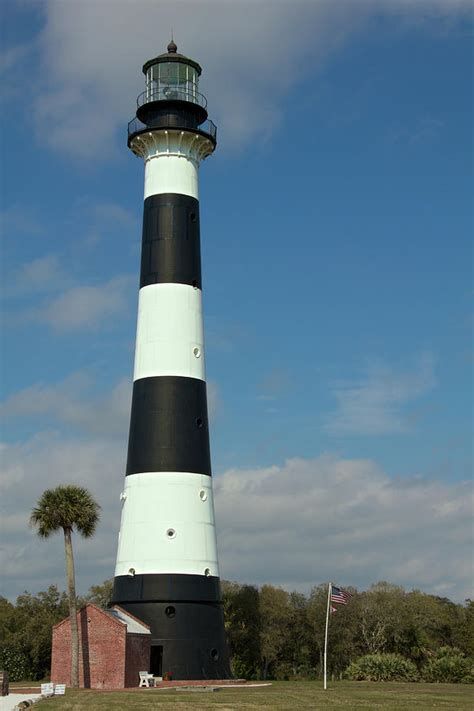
[{"x": 336, "y": 223}]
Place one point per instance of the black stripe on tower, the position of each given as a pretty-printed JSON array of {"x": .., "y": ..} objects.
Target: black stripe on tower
[
  {"x": 186, "y": 619},
  {"x": 176, "y": 587},
  {"x": 169, "y": 426},
  {"x": 171, "y": 249}
]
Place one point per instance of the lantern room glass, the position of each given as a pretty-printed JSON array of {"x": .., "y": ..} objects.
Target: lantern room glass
[{"x": 171, "y": 80}]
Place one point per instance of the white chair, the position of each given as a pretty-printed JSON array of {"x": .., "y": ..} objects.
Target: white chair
[
  {"x": 146, "y": 678},
  {"x": 47, "y": 689}
]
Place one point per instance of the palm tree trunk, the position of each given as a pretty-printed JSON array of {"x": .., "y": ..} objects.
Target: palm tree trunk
[{"x": 71, "y": 590}]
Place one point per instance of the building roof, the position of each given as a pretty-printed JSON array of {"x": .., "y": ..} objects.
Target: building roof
[
  {"x": 118, "y": 616},
  {"x": 134, "y": 625},
  {"x": 172, "y": 55}
]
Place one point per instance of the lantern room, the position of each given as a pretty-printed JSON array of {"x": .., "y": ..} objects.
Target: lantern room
[
  {"x": 171, "y": 99},
  {"x": 172, "y": 77}
]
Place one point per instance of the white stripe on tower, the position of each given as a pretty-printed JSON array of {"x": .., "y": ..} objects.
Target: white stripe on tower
[
  {"x": 169, "y": 332},
  {"x": 179, "y": 172}
]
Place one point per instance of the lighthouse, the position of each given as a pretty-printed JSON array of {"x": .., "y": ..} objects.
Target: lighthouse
[{"x": 167, "y": 572}]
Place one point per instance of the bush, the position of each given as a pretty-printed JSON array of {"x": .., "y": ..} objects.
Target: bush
[
  {"x": 15, "y": 663},
  {"x": 450, "y": 665},
  {"x": 283, "y": 671},
  {"x": 241, "y": 669},
  {"x": 382, "y": 667}
]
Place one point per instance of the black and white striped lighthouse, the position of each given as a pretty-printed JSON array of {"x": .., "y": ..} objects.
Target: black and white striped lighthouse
[{"x": 167, "y": 571}]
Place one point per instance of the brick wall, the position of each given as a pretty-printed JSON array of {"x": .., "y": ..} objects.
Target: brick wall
[{"x": 102, "y": 646}]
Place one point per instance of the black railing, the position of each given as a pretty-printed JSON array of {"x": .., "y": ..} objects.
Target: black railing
[
  {"x": 173, "y": 121},
  {"x": 172, "y": 93}
]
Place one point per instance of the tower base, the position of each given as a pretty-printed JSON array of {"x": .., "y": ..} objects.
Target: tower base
[{"x": 186, "y": 619}]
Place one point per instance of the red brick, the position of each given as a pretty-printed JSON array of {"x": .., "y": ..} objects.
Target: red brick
[{"x": 109, "y": 656}]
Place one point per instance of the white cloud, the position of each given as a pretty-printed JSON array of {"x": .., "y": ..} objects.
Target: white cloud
[
  {"x": 44, "y": 461},
  {"x": 295, "y": 525},
  {"x": 376, "y": 404},
  {"x": 112, "y": 212},
  {"x": 74, "y": 401},
  {"x": 40, "y": 274},
  {"x": 88, "y": 307},
  {"x": 252, "y": 53},
  {"x": 331, "y": 519},
  {"x": 214, "y": 402}
]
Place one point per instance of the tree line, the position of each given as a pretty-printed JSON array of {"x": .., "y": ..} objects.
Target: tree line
[{"x": 275, "y": 634}]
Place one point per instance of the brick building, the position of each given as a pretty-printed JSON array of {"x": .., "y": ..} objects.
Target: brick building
[{"x": 113, "y": 647}]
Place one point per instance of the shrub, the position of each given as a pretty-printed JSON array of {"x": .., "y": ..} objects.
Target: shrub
[
  {"x": 449, "y": 665},
  {"x": 15, "y": 663},
  {"x": 283, "y": 671},
  {"x": 382, "y": 667},
  {"x": 241, "y": 669}
]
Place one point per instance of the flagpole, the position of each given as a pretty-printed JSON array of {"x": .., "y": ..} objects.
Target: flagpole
[{"x": 326, "y": 637}]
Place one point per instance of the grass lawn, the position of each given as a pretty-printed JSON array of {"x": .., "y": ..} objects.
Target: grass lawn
[{"x": 281, "y": 695}]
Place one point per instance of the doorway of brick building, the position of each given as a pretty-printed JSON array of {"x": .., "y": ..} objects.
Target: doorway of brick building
[{"x": 156, "y": 660}]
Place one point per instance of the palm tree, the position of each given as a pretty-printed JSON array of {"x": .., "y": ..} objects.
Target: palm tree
[{"x": 68, "y": 507}]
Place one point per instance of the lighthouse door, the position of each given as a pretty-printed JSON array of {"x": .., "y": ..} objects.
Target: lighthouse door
[{"x": 156, "y": 660}]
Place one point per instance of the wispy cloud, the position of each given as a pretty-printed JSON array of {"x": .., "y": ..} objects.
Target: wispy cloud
[
  {"x": 13, "y": 55},
  {"x": 423, "y": 130},
  {"x": 111, "y": 211},
  {"x": 275, "y": 383},
  {"x": 39, "y": 275},
  {"x": 88, "y": 307},
  {"x": 74, "y": 401},
  {"x": 19, "y": 219},
  {"x": 214, "y": 399},
  {"x": 376, "y": 403},
  {"x": 89, "y": 84},
  {"x": 105, "y": 218}
]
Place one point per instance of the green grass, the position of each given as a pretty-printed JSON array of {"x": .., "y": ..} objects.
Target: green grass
[{"x": 281, "y": 695}]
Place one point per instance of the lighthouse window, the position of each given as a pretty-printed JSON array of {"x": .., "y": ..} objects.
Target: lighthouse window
[
  {"x": 171, "y": 533},
  {"x": 168, "y": 73},
  {"x": 214, "y": 655},
  {"x": 171, "y": 80},
  {"x": 183, "y": 73},
  {"x": 199, "y": 422},
  {"x": 192, "y": 216},
  {"x": 170, "y": 611}
]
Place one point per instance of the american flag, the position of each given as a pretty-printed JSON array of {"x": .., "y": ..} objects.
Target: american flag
[{"x": 339, "y": 595}]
